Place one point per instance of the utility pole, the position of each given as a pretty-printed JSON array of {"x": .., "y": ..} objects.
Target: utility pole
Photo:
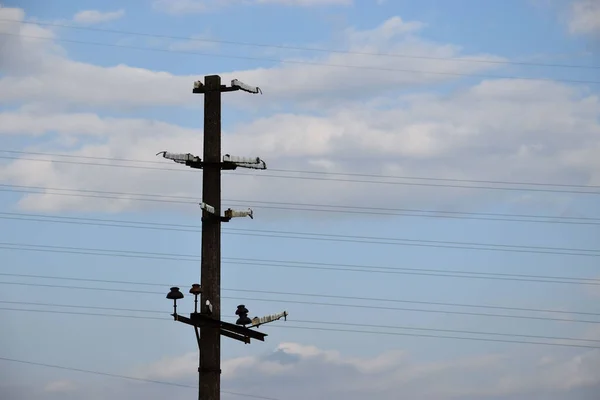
[
  {"x": 207, "y": 323},
  {"x": 210, "y": 341}
]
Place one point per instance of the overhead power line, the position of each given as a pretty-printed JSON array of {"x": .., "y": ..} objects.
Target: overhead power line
[
  {"x": 321, "y": 295},
  {"x": 299, "y": 62},
  {"x": 111, "y": 375},
  {"x": 305, "y": 235},
  {"x": 362, "y": 325},
  {"x": 378, "y": 176},
  {"x": 314, "y": 49},
  {"x": 289, "y": 207},
  {"x": 374, "y": 182},
  {"x": 335, "y": 305},
  {"x": 371, "y": 269},
  {"x": 299, "y": 264},
  {"x": 501, "y": 247},
  {"x": 371, "y": 332}
]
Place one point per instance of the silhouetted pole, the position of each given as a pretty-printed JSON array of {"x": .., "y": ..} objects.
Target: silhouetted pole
[
  {"x": 210, "y": 340},
  {"x": 207, "y": 320}
]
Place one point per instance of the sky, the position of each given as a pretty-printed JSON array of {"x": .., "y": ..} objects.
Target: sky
[{"x": 428, "y": 217}]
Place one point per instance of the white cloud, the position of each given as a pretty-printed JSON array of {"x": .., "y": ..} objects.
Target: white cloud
[
  {"x": 585, "y": 17},
  {"x": 92, "y": 17},
  {"x": 59, "y": 81},
  {"x": 330, "y": 374},
  {"x": 23, "y": 56},
  {"x": 177, "y": 7},
  {"x": 495, "y": 130}
]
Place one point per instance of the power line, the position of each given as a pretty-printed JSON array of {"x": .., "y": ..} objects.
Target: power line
[
  {"x": 368, "y": 307},
  {"x": 342, "y": 330},
  {"x": 328, "y": 179},
  {"x": 334, "y": 208},
  {"x": 355, "y": 298},
  {"x": 98, "y": 221},
  {"x": 315, "y": 49},
  {"x": 383, "y": 269},
  {"x": 298, "y": 62},
  {"x": 301, "y": 171},
  {"x": 402, "y": 271},
  {"x": 423, "y": 242},
  {"x": 258, "y": 204},
  {"x": 345, "y": 238},
  {"x": 347, "y": 268},
  {"x": 111, "y": 375},
  {"x": 501, "y": 247},
  {"x": 265, "y": 207},
  {"x": 291, "y": 320}
]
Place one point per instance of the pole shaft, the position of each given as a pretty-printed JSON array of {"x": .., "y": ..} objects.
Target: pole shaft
[{"x": 210, "y": 339}]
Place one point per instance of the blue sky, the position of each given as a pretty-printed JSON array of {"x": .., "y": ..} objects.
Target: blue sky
[{"x": 463, "y": 119}]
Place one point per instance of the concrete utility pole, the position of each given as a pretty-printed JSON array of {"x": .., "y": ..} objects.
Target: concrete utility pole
[
  {"x": 209, "y": 317},
  {"x": 210, "y": 341}
]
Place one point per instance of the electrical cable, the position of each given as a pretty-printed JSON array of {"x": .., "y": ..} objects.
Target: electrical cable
[
  {"x": 336, "y": 267},
  {"x": 267, "y": 175},
  {"x": 86, "y": 221},
  {"x": 111, "y": 375},
  {"x": 355, "y": 298},
  {"x": 342, "y": 330},
  {"x": 346, "y": 208},
  {"x": 299, "y": 62},
  {"x": 314, "y": 49},
  {"x": 302, "y": 171},
  {"x": 362, "y": 325},
  {"x": 399, "y": 270},
  {"x": 500, "y": 247},
  {"x": 368, "y": 307}
]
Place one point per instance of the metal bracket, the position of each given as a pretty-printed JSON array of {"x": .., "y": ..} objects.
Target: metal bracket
[
  {"x": 203, "y": 369},
  {"x": 232, "y": 331}
]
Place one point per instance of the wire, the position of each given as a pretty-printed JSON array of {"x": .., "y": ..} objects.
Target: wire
[
  {"x": 270, "y": 207},
  {"x": 298, "y": 62},
  {"x": 346, "y": 330},
  {"x": 250, "y": 203},
  {"x": 395, "y": 270},
  {"x": 266, "y": 175},
  {"x": 421, "y": 242},
  {"x": 431, "y": 336},
  {"x": 87, "y": 371},
  {"x": 163, "y": 285},
  {"x": 354, "y": 268},
  {"x": 369, "y": 307},
  {"x": 374, "y": 240},
  {"x": 84, "y": 221},
  {"x": 299, "y": 171},
  {"x": 307, "y": 172},
  {"x": 289, "y": 320},
  {"x": 406, "y": 212},
  {"x": 315, "y": 49}
]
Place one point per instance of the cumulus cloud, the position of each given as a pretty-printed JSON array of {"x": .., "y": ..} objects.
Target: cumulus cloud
[
  {"x": 295, "y": 371},
  {"x": 92, "y": 17},
  {"x": 494, "y": 130},
  {"x": 22, "y": 55},
  {"x": 61, "y": 81},
  {"x": 585, "y": 17}
]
